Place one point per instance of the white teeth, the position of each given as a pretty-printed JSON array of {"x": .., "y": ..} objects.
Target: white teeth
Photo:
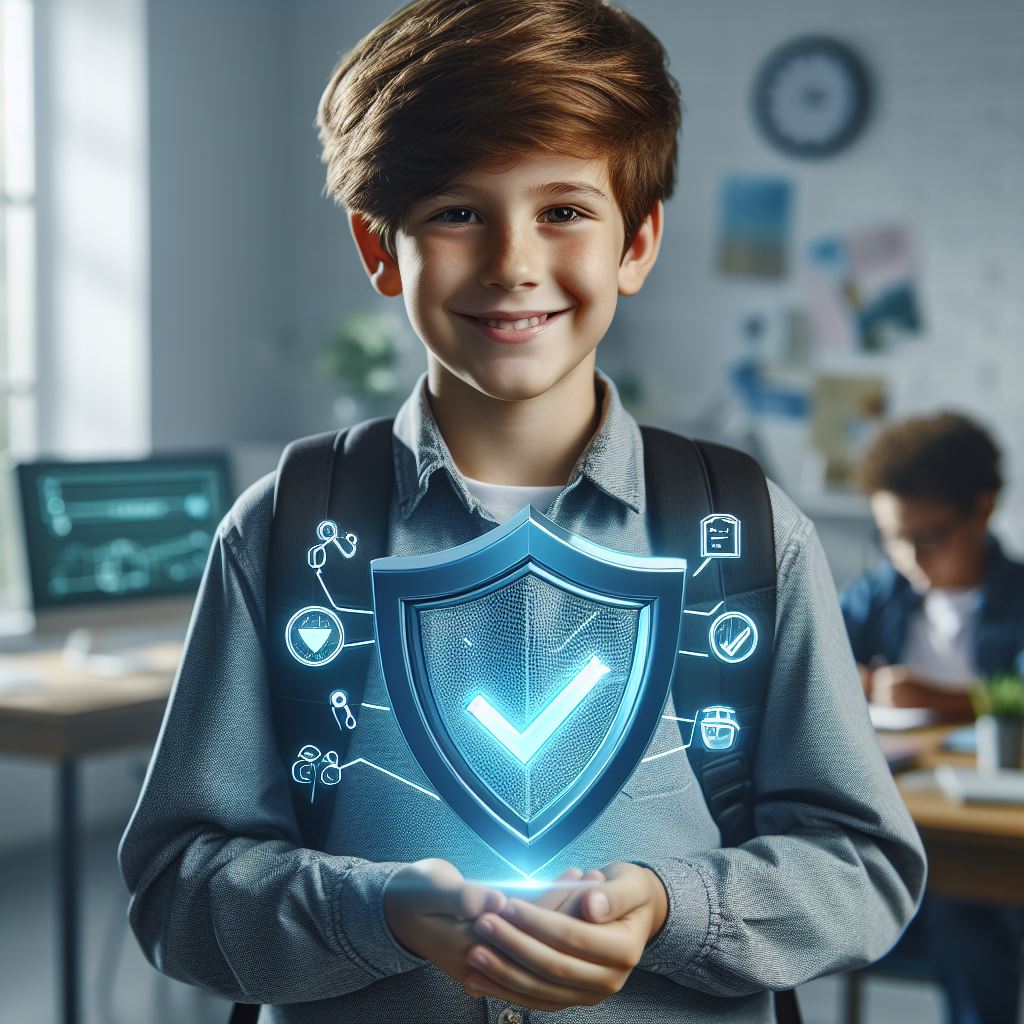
[{"x": 515, "y": 325}]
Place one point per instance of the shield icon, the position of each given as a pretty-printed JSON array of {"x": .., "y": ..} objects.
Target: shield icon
[{"x": 528, "y": 669}]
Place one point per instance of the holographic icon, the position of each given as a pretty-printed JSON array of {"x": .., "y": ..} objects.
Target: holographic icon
[
  {"x": 316, "y": 556},
  {"x": 327, "y": 531},
  {"x": 305, "y": 769},
  {"x": 719, "y": 538},
  {"x": 339, "y": 706},
  {"x": 718, "y": 727},
  {"x": 523, "y": 745},
  {"x": 315, "y": 636},
  {"x": 733, "y": 637}
]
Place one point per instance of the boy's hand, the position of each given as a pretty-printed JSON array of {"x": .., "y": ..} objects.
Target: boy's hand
[
  {"x": 546, "y": 960},
  {"x": 430, "y": 908}
]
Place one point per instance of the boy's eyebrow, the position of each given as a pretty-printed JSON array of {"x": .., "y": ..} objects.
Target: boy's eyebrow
[{"x": 551, "y": 188}]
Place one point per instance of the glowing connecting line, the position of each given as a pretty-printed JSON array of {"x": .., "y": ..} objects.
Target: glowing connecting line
[
  {"x": 327, "y": 531},
  {"x": 305, "y": 770},
  {"x": 523, "y": 745},
  {"x": 718, "y": 728}
]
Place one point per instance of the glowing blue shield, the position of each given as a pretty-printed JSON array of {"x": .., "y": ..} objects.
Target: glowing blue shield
[{"x": 528, "y": 669}]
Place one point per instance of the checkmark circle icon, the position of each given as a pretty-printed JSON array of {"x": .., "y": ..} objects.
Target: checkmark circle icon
[{"x": 733, "y": 637}]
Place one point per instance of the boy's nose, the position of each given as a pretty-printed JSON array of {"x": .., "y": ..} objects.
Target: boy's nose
[{"x": 511, "y": 260}]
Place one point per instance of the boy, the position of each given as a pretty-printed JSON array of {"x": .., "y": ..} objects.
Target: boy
[
  {"x": 946, "y": 610},
  {"x": 499, "y": 160}
]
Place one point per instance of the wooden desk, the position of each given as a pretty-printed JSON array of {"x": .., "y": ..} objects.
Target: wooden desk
[
  {"x": 62, "y": 717},
  {"x": 975, "y": 851}
]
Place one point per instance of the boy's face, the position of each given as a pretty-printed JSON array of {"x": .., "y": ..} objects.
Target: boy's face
[
  {"x": 932, "y": 543},
  {"x": 507, "y": 242}
]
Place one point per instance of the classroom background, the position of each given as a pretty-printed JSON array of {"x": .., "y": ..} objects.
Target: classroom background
[{"x": 173, "y": 280}]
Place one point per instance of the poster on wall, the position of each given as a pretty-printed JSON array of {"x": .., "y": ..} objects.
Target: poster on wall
[
  {"x": 754, "y": 225},
  {"x": 846, "y": 414},
  {"x": 861, "y": 290}
]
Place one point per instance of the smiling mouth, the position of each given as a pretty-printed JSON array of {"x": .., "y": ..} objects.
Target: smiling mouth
[{"x": 515, "y": 325}]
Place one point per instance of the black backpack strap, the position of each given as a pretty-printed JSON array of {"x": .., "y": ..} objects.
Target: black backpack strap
[
  {"x": 687, "y": 481},
  {"x": 345, "y": 477}
]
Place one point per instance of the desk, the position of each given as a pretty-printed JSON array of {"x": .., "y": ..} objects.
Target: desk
[
  {"x": 63, "y": 717},
  {"x": 974, "y": 851}
]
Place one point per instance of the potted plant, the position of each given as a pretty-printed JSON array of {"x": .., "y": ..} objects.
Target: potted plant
[
  {"x": 999, "y": 706},
  {"x": 362, "y": 358}
]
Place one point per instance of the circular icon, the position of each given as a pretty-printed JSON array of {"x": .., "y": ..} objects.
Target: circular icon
[
  {"x": 733, "y": 637},
  {"x": 314, "y": 636}
]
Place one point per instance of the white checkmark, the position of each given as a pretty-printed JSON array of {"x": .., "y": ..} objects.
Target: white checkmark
[
  {"x": 737, "y": 642},
  {"x": 526, "y": 743}
]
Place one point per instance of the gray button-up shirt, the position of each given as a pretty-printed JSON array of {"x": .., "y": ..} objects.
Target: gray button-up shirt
[{"x": 224, "y": 896}]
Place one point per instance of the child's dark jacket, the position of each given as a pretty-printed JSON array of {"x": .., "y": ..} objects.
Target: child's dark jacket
[{"x": 222, "y": 897}]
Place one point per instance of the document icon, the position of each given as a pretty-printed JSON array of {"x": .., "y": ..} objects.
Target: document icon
[{"x": 720, "y": 536}]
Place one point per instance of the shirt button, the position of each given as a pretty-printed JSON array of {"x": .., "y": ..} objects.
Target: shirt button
[{"x": 510, "y": 1016}]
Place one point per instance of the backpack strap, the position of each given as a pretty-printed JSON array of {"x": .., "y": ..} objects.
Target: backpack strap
[
  {"x": 344, "y": 477},
  {"x": 686, "y": 481}
]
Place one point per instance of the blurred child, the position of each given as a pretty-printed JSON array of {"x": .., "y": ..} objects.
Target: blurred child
[
  {"x": 947, "y": 607},
  {"x": 946, "y": 610}
]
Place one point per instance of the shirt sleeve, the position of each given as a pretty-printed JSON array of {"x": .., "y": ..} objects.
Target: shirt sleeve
[
  {"x": 837, "y": 869},
  {"x": 223, "y": 895}
]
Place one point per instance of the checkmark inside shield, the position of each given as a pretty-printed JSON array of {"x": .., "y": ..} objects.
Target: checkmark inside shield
[{"x": 524, "y": 745}]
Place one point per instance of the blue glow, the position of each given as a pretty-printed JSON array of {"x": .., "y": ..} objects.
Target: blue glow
[
  {"x": 316, "y": 557},
  {"x": 304, "y": 770},
  {"x": 733, "y": 637},
  {"x": 525, "y": 744},
  {"x": 718, "y": 727}
]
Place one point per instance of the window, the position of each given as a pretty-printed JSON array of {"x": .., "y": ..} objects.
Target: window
[{"x": 17, "y": 266}]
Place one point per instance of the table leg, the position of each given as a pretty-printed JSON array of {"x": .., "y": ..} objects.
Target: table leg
[{"x": 67, "y": 887}]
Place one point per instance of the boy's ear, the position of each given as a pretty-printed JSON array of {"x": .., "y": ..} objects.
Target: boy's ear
[
  {"x": 642, "y": 252},
  {"x": 383, "y": 270},
  {"x": 984, "y": 506}
]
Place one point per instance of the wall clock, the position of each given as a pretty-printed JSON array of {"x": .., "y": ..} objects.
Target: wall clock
[{"x": 811, "y": 97}]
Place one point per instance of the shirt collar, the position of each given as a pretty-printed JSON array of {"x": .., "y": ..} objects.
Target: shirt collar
[{"x": 612, "y": 459}]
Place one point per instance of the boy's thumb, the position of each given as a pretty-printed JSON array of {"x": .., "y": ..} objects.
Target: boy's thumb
[{"x": 598, "y": 907}]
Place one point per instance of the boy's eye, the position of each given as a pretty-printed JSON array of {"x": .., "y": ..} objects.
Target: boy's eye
[{"x": 573, "y": 215}]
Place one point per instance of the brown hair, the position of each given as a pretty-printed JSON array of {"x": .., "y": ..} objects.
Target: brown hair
[
  {"x": 945, "y": 457},
  {"x": 443, "y": 85}
]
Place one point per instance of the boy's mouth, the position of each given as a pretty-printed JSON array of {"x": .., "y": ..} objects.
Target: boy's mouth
[
  {"x": 519, "y": 324},
  {"x": 513, "y": 332}
]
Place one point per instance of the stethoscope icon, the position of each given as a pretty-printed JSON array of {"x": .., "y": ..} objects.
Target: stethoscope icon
[{"x": 327, "y": 531}]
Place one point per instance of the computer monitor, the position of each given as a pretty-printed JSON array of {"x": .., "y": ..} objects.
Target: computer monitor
[{"x": 118, "y": 547}]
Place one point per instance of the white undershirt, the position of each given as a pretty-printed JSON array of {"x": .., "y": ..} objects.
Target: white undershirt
[
  {"x": 940, "y": 637},
  {"x": 503, "y": 501}
]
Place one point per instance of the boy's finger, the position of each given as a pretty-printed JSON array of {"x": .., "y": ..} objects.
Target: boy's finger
[
  {"x": 554, "y": 897},
  {"x": 572, "y": 903},
  {"x": 474, "y": 899},
  {"x": 598, "y": 943},
  {"x": 511, "y": 976},
  {"x": 620, "y": 895}
]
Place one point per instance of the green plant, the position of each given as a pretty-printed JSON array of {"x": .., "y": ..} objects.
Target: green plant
[
  {"x": 363, "y": 353},
  {"x": 1001, "y": 696}
]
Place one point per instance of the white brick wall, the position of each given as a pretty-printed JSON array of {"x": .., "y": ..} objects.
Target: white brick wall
[{"x": 943, "y": 152}]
